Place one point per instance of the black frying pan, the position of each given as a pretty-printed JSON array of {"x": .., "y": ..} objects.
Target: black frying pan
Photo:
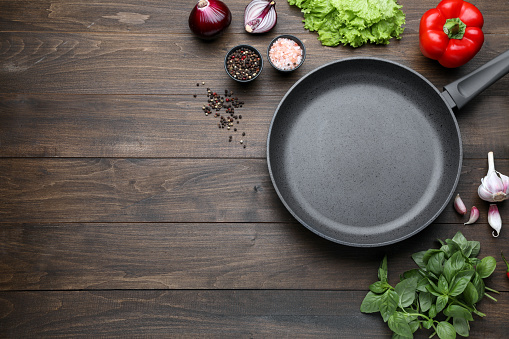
[{"x": 367, "y": 152}]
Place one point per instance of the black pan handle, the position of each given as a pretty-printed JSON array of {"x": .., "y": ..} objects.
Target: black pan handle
[{"x": 465, "y": 89}]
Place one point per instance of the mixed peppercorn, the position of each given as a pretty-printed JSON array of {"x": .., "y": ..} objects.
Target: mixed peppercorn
[
  {"x": 243, "y": 64},
  {"x": 229, "y": 120}
]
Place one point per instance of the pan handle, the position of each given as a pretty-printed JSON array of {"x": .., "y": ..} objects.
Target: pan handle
[{"x": 468, "y": 87}]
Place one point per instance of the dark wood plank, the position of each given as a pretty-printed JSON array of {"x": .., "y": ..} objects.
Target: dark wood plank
[
  {"x": 157, "y": 16},
  {"x": 211, "y": 314},
  {"x": 79, "y": 63},
  {"x": 210, "y": 256},
  {"x": 131, "y": 126},
  {"x": 130, "y": 189},
  {"x": 164, "y": 190},
  {"x": 175, "y": 126}
]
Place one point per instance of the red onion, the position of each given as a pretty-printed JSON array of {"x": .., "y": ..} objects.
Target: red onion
[
  {"x": 260, "y": 16},
  {"x": 209, "y": 18}
]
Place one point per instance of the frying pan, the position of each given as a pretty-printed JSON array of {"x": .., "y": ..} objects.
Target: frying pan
[{"x": 367, "y": 152}]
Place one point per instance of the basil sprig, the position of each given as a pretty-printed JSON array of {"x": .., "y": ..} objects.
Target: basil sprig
[{"x": 449, "y": 280}]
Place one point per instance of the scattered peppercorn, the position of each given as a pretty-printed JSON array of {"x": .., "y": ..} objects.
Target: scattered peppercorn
[{"x": 216, "y": 102}]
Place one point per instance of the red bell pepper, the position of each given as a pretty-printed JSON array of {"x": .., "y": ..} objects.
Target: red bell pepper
[{"x": 451, "y": 33}]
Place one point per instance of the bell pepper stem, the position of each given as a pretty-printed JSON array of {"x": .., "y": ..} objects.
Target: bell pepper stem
[{"x": 454, "y": 28}]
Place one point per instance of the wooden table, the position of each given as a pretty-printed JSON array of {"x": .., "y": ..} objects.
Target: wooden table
[{"x": 126, "y": 212}]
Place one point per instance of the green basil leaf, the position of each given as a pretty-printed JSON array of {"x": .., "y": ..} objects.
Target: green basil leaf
[
  {"x": 460, "y": 282},
  {"x": 433, "y": 288},
  {"x": 425, "y": 301},
  {"x": 471, "y": 245},
  {"x": 457, "y": 311},
  {"x": 486, "y": 267},
  {"x": 468, "y": 266},
  {"x": 461, "y": 241},
  {"x": 422, "y": 281},
  {"x": 470, "y": 294},
  {"x": 479, "y": 286},
  {"x": 382, "y": 270},
  {"x": 433, "y": 311},
  {"x": 461, "y": 326},
  {"x": 432, "y": 291},
  {"x": 453, "y": 265},
  {"x": 379, "y": 287},
  {"x": 406, "y": 291},
  {"x": 436, "y": 263},
  {"x": 414, "y": 273},
  {"x": 474, "y": 261},
  {"x": 388, "y": 304},
  {"x": 427, "y": 324},
  {"x": 371, "y": 303},
  {"x": 453, "y": 246},
  {"x": 476, "y": 248},
  {"x": 447, "y": 250},
  {"x": 421, "y": 284},
  {"x": 445, "y": 330},
  {"x": 443, "y": 286},
  {"x": 428, "y": 254},
  {"x": 398, "y": 324},
  {"x": 441, "y": 302},
  {"x": 414, "y": 325},
  {"x": 418, "y": 258},
  {"x": 432, "y": 275}
]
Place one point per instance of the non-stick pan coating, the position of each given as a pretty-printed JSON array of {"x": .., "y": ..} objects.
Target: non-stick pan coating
[{"x": 364, "y": 152}]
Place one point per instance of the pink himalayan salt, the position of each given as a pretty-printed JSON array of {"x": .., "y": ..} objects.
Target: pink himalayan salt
[{"x": 285, "y": 54}]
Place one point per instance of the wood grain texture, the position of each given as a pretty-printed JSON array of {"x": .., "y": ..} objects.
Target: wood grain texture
[
  {"x": 158, "y": 16},
  {"x": 163, "y": 190},
  {"x": 125, "y": 211},
  {"x": 211, "y": 314},
  {"x": 79, "y": 63},
  {"x": 210, "y": 256},
  {"x": 175, "y": 126}
]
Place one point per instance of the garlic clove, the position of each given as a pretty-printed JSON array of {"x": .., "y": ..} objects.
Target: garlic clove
[
  {"x": 494, "y": 220},
  {"x": 494, "y": 186},
  {"x": 483, "y": 193},
  {"x": 505, "y": 183},
  {"x": 459, "y": 205},
  {"x": 474, "y": 215}
]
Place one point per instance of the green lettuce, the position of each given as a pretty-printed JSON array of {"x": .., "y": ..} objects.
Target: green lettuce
[{"x": 352, "y": 22}]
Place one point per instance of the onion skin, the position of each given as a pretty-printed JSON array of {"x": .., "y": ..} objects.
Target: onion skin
[
  {"x": 260, "y": 16},
  {"x": 209, "y": 18}
]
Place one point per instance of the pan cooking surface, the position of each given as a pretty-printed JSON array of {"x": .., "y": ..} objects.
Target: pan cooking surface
[{"x": 364, "y": 152}]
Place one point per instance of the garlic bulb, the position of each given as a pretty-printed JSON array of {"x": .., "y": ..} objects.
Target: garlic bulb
[
  {"x": 494, "y": 220},
  {"x": 494, "y": 186}
]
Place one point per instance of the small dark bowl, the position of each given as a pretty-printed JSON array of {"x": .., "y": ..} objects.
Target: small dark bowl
[
  {"x": 229, "y": 57},
  {"x": 291, "y": 37}
]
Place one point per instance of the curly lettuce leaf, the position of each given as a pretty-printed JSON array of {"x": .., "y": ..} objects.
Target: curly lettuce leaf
[{"x": 352, "y": 22}]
